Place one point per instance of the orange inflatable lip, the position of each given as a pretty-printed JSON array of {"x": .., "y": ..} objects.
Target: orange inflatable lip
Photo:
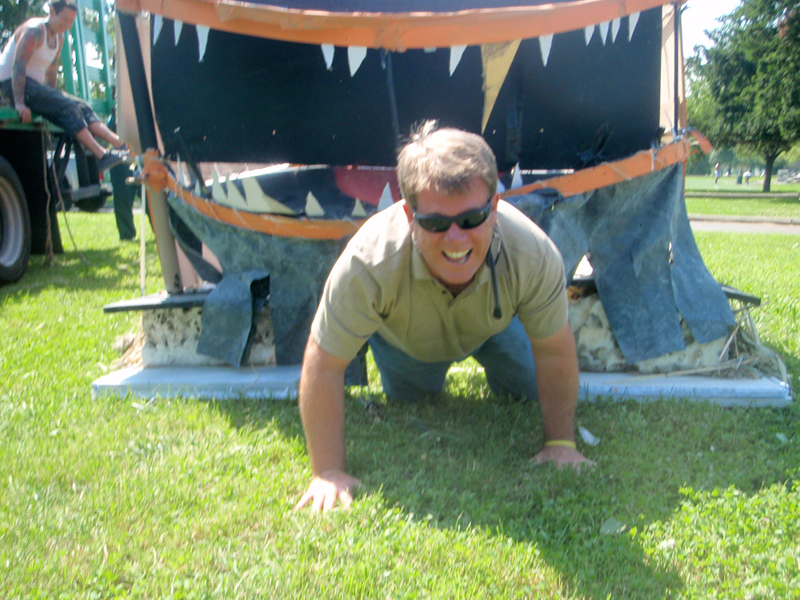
[
  {"x": 157, "y": 177},
  {"x": 393, "y": 31},
  {"x": 607, "y": 174}
]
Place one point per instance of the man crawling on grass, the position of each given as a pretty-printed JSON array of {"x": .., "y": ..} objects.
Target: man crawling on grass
[{"x": 449, "y": 272}]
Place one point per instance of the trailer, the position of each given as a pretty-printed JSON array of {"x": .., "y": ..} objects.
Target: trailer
[{"x": 42, "y": 169}]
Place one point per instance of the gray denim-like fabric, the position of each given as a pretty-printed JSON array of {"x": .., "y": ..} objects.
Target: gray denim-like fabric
[
  {"x": 647, "y": 267},
  {"x": 68, "y": 112},
  {"x": 228, "y": 314},
  {"x": 297, "y": 268}
]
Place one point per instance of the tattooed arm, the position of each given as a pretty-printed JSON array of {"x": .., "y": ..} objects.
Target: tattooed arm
[{"x": 31, "y": 38}]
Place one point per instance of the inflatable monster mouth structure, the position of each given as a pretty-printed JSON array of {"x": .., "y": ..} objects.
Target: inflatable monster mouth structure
[{"x": 581, "y": 102}]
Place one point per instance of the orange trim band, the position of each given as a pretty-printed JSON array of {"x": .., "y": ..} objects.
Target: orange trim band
[
  {"x": 392, "y": 31},
  {"x": 158, "y": 177},
  {"x": 606, "y": 174}
]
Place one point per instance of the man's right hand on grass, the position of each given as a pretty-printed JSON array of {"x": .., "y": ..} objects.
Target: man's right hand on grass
[{"x": 327, "y": 488}]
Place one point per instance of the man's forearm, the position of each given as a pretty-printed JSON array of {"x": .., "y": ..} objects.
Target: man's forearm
[
  {"x": 558, "y": 397},
  {"x": 18, "y": 85},
  {"x": 321, "y": 400},
  {"x": 557, "y": 382}
]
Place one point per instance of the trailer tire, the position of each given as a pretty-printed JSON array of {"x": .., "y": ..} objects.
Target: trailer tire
[{"x": 15, "y": 225}]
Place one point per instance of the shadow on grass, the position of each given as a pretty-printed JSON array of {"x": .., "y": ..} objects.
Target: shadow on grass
[
  {"x": 462, "y": 460},
  {"x": 466, "y": 463},
  {"x": 102, "y": 270}
]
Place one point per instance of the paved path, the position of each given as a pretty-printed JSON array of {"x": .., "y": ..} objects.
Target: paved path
[{"x": 745, "y": 224}]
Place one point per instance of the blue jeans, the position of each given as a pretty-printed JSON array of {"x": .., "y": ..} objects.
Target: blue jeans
[
  {"x": 506, "y": 357},
  {"x": 68, "y": 112}
]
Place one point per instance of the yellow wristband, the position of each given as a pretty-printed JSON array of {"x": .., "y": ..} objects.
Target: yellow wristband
[{"x": 565, "y": 443}]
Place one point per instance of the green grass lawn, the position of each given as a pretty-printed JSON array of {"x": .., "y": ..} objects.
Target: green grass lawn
[
  {"x": 787, "y": 208},
  {"x": 153, "y": 498},
  {"x": 781, "y": 208},
  {"x": 727, "y": 183}
]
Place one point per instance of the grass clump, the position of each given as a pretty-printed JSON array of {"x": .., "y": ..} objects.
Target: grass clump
[{"x": 152, "y": 498}]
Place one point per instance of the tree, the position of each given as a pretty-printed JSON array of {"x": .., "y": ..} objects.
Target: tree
[
  {"x": 745, "y": 89},
  {"x": 14, "y": 12}
]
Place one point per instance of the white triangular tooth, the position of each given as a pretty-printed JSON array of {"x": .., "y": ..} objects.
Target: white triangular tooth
[
  {"x": 202, "y": 40},
  {"x": 277, "y": 208},
  {"x": 355, "y": 56},
  {"x": 198, "y": 191},
  {"x": 260, "y": 202},
  {"x": 604, "y": 31},
  {"x": 633, "y": 19},
  {"x": 253, "y": 193},
  {"x": 217, "y": 193},
  {"x": 500, "y": 187},
  {"x": 516, "y": 178},
  {"x": 313, "y": 207},
  {"x": 158, "y": 21},
  {"x": 430, "y": 50},
  {"x": 178, "y": 29},
  {"x": 386, "y": 198},
  {"x": 328, "y": 51},
  {"x": 235, "y": 197},
  {"x": 455, "y": 56},
  {"x": 615, "y": 28},
  {"x": 358, "y": 210},
  {"x": 545, "y": 43},
  {"x": 588, "y": 32}
]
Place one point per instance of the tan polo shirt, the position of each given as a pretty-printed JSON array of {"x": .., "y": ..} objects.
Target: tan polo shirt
[{"x": 381, "y": 284}]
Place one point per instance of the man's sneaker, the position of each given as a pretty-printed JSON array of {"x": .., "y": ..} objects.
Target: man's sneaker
[{"x": 112, "y": 158}]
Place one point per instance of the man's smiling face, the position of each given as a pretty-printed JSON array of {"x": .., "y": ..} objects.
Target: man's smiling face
[{"x": 454, "y": 256}]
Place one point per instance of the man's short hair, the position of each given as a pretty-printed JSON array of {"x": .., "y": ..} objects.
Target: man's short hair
[
  {"x": 444, "y": 160},
  {"x": 60, "y": 5}
]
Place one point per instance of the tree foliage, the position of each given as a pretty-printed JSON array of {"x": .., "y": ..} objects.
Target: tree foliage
[
  {"x": 14, "y": 12},
  {"x": 745, "y": 88}
]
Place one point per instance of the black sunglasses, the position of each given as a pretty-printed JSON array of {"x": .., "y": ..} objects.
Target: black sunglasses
[{"x": 466, "y": 220}]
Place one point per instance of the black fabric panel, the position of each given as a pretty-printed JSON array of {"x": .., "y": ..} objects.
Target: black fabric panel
[
  {"x": 426, "y": 90},
  {"x": 258, "y": 100},
  {"x": 564, "y": 111}
]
